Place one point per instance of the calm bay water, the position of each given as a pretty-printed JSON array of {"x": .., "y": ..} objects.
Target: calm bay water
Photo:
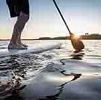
[{"x": 20, "y": 75}]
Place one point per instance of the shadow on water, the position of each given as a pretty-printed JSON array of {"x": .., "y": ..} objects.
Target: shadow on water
[
  {"x": 14, "y": 97},
  {"x": 77, "y": 56}
]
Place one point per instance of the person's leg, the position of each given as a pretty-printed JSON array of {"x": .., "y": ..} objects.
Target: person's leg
[
  {"x": 23, "y": 18},
  {"x": 18, "y": 28},
  {"x": 25, "y": 14}
]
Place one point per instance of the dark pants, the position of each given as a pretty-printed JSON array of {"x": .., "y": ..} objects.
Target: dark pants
[{"x": 17, "y": 6}]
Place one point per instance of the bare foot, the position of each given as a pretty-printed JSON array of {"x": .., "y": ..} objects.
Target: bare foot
[
  {"x": 20, "y": 43},
  {"x": 16, "y": 46},
  {"x": 24, "y": 45}
]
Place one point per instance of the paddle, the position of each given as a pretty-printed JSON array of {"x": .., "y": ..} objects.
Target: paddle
[{"x": 76, "y": 42}]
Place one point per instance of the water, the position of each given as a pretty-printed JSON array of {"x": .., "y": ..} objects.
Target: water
[{"x": 59, "y": 75}]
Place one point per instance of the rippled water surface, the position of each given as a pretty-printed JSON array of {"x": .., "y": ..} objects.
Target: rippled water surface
[{"x": 52, "y": 75}]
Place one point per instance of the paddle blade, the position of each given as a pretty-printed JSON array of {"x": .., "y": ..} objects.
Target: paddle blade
[{"x": 77, "y": 43}]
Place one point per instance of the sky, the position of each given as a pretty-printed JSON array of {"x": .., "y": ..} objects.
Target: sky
[{"x": 82, "y": 16}]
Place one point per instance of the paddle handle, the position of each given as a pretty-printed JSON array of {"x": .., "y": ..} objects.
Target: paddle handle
[{"x": 62, "y": 17}]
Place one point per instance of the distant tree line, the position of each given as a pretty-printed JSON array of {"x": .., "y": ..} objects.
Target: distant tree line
[
  {"x": 91, "y": 36},
  {"x": 84, "y": 37}
]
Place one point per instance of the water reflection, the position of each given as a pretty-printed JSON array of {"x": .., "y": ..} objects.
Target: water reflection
[
  {"x": 16, "y": 68},
  {"x": 13, "y": 70},
  {"x": 61, "y": 87}
]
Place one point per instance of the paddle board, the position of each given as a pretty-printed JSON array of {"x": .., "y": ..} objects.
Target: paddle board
[{"x": 36, "y": 48}]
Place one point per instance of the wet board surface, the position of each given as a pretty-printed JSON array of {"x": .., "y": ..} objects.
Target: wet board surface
[{"x": 35, "y": 49}]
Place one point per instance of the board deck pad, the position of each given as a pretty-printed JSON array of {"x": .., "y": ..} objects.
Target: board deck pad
[{"x": 36, "y": 48}]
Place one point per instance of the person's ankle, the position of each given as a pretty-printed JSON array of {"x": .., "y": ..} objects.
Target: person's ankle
[{"x": 12, "y": 43}]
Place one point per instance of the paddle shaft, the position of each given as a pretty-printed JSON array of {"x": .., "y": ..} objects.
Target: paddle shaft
[
  {"x": 62, "y": 17},
  {"x": 77, "y": 44}
]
